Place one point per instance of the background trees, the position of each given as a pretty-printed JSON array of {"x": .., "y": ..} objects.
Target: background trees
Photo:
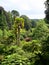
[
  {"x": 14, "y": 14},
  {"x": 3, "y": 23},
  {"x": 27, "y": 22},
  {"x": 34, "y": 22}
]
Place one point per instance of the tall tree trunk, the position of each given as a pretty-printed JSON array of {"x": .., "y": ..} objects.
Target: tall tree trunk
[{"x": 18, "y": 35}]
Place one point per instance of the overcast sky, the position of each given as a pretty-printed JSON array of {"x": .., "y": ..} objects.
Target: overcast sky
[{"x": 32, "y": 8}]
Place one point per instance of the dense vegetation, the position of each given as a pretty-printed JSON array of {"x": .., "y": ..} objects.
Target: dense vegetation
[{"x": 23, "y": 41}]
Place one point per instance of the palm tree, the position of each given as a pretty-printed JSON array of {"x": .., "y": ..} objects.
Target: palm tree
[{"x": 19, "y": 23}]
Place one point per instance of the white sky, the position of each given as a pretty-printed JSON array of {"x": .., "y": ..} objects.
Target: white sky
[{"x": 31, "y": 8}]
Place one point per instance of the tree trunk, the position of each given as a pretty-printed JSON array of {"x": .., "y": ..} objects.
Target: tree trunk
[{"x": 18, "y": 35}]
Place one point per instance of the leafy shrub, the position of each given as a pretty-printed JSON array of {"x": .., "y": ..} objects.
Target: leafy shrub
[
  {"x": 41, "y": 31},
  {"x": 32, "y": 46}
]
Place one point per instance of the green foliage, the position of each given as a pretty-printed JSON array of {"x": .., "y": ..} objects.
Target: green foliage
[
  {"x": 3, "y": 23},
  {"x": 19, "y": 22},
  {"x": 41, "y": 31},
  {"x": 45, "y": 51},
  {"x": 33, "y": 23},
  {"x": 9, "y": 20},
  {"x": 33, "y": 46},
  {"x": 1, "y": 33},
  {"x": 27, "y": 22},
  {"x": 43, "y": 57},
  {"x": 21, "y": 37},
  {"x": 15, "y": 55}
]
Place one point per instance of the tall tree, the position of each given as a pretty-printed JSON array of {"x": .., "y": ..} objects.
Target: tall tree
[
  {"x": 3, "y": 22},
  {"x": 19, "y": 23}
]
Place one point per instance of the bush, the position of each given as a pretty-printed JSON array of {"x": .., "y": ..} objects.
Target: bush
[
  {"x": 41, "y": 31},
  {"x": 32, "y": 46}
]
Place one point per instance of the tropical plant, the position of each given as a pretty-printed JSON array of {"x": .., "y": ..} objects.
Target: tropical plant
[{"x": 19, "y": 23}]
